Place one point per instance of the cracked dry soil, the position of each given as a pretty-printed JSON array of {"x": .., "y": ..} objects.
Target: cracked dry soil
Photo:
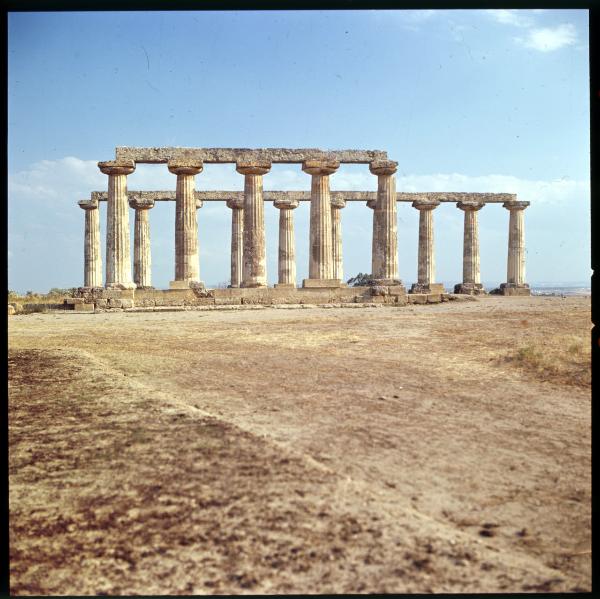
[{"x": 297, "y": 451}]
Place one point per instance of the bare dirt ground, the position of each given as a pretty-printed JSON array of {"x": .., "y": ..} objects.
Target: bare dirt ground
[{"x": 414, "y": 449}]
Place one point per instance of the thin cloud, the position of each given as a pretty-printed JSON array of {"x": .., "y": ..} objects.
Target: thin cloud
[
  {"x": 549, "y": 39},
  {"x": 504, "y": 16}
]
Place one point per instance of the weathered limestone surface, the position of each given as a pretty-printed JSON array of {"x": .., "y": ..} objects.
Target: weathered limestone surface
[
  {"x": 255, "y": 261},
  {"x": 337, "y": 204},
  {"x": 471, "y": 270},
  {"x": 142, "y": 256},
  {"x": 92, "y": 259},
  {"x": 286, "y": 274},
  {"x": 515, "y": 276},
  {"x": 118, "y": 252},
  {"x": 426, "y": 257},
  {"x": 385, "y": 224},
  {"x": 237, "y": 240},
  {"x": 320, "y": 266},
  {"x": 187, "y": 262},
  {"x": 253, "y": 156},
  {"x": 304, "y": 196}
]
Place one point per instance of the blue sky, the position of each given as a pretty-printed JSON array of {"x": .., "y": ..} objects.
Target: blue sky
[{"x": 469, "y": 100}]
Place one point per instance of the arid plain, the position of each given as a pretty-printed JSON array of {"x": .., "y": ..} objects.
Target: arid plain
[{"x": 423, "y": 448}]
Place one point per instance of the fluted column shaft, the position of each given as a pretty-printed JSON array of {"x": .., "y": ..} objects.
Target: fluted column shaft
[
  {"x": 237, "y": 241},
  {"x": 118, "y": 252},
  {"x": 287, "y": 243},
  {"x": 516, "y": 244},
  {"x": 336, "y": 238},
  {"x": 515, "y": 275},
  {"x": 254, "y": 252},
  {"x": 142, "y": 256},
  {"x": 187, "y": 262},
  {"x": 471, "y": 268},
  {"x": 320, "y": 265},
  {"x": 426, "y": 259},
  {"x": 385, "y": 223},
  {"x": 92, "y": 261}
]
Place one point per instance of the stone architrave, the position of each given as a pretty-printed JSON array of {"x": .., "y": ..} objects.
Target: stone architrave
[
  {"x": 187, "y": 261},
  {"x": 118, "y": 251},
  {"x": 426, "y": 261},
  {"x": 337, "y": 204},
  {"x": 254, "y": 252},
  {"x": 515, "y": 276},
  {"x": 92, "y": 260},
  {"x": 385, "y": 221},
  {"x": 320, "y": 265},
  {"x": 471, "y": 283},
  {"x": 237, "y": 240},
  {"x": 142, "y": 256},
  {"x": 287, "y": 245}
]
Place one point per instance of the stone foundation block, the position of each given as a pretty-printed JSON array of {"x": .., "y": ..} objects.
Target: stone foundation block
[
  {"x": 434, "y": 298},
  {"x": 509, "y": 289},
  {"x": 115, "y": 303},
  {"x": 321, "y": 283},
  {"x": 417, "y": 298},
  {"x": 84, "y": 307},
  {"x": 469, "y": 289}
]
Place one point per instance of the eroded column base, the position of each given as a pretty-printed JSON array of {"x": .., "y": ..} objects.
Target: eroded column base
[
  {"x": 321, "y": 283},
  {"x": 513, "y": 289},
  {"x": 385, "y": 282},
  {"x": 120, "y": 286},
  {"x": 427, "y": 288},
  {"x": 186, "y": 284},
  {"x": 469, "y": 289}
]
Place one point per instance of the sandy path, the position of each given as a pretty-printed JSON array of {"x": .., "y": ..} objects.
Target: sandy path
[{"x": 410, "y": 415}]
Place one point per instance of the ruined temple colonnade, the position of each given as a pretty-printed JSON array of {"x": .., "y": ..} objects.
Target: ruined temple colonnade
[{"x": 248, "y": 244}]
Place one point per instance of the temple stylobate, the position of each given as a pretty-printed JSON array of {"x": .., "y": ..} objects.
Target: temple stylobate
[{"x": 248, "y": 244}]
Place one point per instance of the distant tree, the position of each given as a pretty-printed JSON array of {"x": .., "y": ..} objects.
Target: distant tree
[
  {"x": 360, "y": 280},
  {"x": 222, "y": 285}
]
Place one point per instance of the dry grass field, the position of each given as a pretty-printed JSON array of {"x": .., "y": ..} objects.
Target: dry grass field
[{"x": 435, "y": 448}]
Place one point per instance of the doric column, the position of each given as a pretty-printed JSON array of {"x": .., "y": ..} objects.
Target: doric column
[
  {"x": 471, "y": 283},
  {"x": 142, "y": 257},
  {"x": 385, "y": 243},
  {"x": 237, "y": 240},
  {"x": 254, "y": 253},
  {"x": 187, "y": 262},
  {"x": 92, "y": 261},
  {"x": 320, "y": 265},
  {"x": 515, "y": 276},
  {"x": 118, "y": 252},
  {"x": 426, "y": 261},
  {"x": 336, "y": 237},
  {"x": 287, "y": 244},
  {"x": 372, "y": 204}
]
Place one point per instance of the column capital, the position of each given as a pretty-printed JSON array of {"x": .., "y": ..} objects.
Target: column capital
[
  {"x": 114, "y": 167},
  {"x": 425, "y": 204},
  {"x": 141, "y": 204},
  {"x": 320, "y": 167},
  {"x": 285, "y": 204},
  {"x": 185, "y": 168},
  {"x": 235, "y": 203},
  {"x": 470, "y": 206},
  {"x": 372, "y": 204},
  {"x": 383, "y": 167},
  {"x": 338, "y": 203},
  {"x": 88, "y": 204},
  {"x": 253, "y": 167},
  {"x": 515, "y": 205}
]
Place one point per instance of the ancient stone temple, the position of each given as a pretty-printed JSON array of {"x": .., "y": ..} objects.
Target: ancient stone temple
[{"x": 248, "y": 245}]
